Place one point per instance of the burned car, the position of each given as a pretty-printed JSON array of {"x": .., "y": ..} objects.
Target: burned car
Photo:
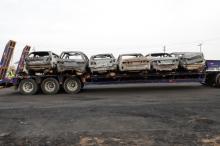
[
  {"x": 191, "y": 61},
  {"x": 133, "y": 62},
  {"x": 73, "y": 62},
  {"x": 41, "y": 62},
  {"x": 102, "y": 63},
  {"x": 163, "y": 61}
]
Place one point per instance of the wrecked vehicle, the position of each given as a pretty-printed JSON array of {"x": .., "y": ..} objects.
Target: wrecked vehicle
[
  {"x": 102, "y": 63},
  {"x": 41, "y": 62},
  {"x": 192, "y": 61},
  {"x": 74, "y": 62},
  {"x": 135, "y": 62},
  {"x": 163, "y": 61}
]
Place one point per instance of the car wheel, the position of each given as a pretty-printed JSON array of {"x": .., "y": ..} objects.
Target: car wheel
[
  {"x": 50, "y": 86},
  {"x": 72, "y": 85},
  {"x": 28, "y": 87}
]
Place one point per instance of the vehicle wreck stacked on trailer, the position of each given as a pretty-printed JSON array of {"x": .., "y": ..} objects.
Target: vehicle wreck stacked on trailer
[
  {"x": 163, "y": 61},
  {"x": 191, "y": 61},
  {"x": 73, "y": 62},
  {"x": 41, "y": 62},
  {"x": 103, "y": 64},
  {"x": 134, "y": 62}
]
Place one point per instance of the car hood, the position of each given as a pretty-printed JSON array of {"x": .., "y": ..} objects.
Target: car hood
[
  {"x": 164, "y": 58},
  {"x": 38, "y": 60},
  {"x": 135, "y": 59}
]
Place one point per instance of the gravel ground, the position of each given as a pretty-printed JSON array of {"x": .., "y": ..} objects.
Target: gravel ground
[{"x": 113, "y": 115}]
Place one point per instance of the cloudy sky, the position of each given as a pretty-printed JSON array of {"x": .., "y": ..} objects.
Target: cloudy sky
[{"x": 117, "y": 26}]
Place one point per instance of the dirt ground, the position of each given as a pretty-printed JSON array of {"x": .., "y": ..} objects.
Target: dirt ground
[{"x": 113, "y": 115}]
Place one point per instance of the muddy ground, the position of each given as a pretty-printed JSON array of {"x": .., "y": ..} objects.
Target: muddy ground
[{"x": 113, "y": 115}]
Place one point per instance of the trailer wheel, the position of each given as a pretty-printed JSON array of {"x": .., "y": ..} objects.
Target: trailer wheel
[
  {"x": 28, "y": 87},
  {"x": 218, "y": 80},
  {"x": 72, "y": 85},
  {"x": 50, "y": 86}
]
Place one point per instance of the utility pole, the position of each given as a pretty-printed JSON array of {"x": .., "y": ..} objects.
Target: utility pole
[
  {"x": 200, "y": 47},
  {"x": 164, "y": 49}
]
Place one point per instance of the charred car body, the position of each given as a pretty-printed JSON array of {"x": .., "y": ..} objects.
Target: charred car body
[
  {"x": 133, "y": 63},
  {"x": 73, "y": 62},
  {"x": 102, "y": 63},
  {"x": 41, "y": 62},
  {"x": 163, "y": 61},
  {"x": 192, "y": 61}
]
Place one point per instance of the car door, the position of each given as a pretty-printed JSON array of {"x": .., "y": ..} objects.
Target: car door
[{"x": 73, "y": 61}]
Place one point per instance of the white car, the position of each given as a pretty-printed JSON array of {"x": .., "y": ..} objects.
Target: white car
[
  {"x": 163, "y": 61},
  {"x": 102, "y": 63},
  {"x": 135, "y": 62},
  {"x": 191, "y": 60}
]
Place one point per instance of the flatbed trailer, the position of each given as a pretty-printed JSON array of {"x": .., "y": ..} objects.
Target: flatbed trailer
[
  {"x": 150, "y": 78},
  {"x": 6, "y": 82},
  {"x": 51, "y": 84}
]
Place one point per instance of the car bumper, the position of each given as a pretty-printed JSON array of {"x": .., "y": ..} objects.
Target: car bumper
[{"x": 165, "y": 67}]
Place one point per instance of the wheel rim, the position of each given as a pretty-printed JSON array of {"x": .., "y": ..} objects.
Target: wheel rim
[
  {"x": 72, "y": 85},
  {"x": 50, "y": 86},
  {"x": 28, "y": 87}
]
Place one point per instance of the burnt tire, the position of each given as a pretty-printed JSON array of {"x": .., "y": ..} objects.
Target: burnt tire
[
  {"x": 72, "y": 85},
  {"x": 50, "y": 86},
  {"x": 28, "y": 87}
]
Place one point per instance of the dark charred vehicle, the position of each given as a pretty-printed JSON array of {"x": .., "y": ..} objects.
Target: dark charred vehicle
[
  {"x": 41, "y": 62},
  {"x": 73, "y": 62}
]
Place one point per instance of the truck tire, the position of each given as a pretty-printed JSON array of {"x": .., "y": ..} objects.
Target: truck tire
[
  {"x": 28, "y": 87},
  {"x": 209, "y": 83},
  {"x": 72, "y": 85},
  {"x": 50, "y": 86},
  {"x": 217, "y": 80}
]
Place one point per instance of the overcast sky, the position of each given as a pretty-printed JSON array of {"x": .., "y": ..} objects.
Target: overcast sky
[{"x": 115, "y": 26}]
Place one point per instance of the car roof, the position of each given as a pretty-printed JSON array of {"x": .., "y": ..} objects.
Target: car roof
[
  {"x": 131, "y": 54},
  {"x": 107, "y": 54},
  {"x": 79, "y": 52},
  {"x": 159, "y": 54}
]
